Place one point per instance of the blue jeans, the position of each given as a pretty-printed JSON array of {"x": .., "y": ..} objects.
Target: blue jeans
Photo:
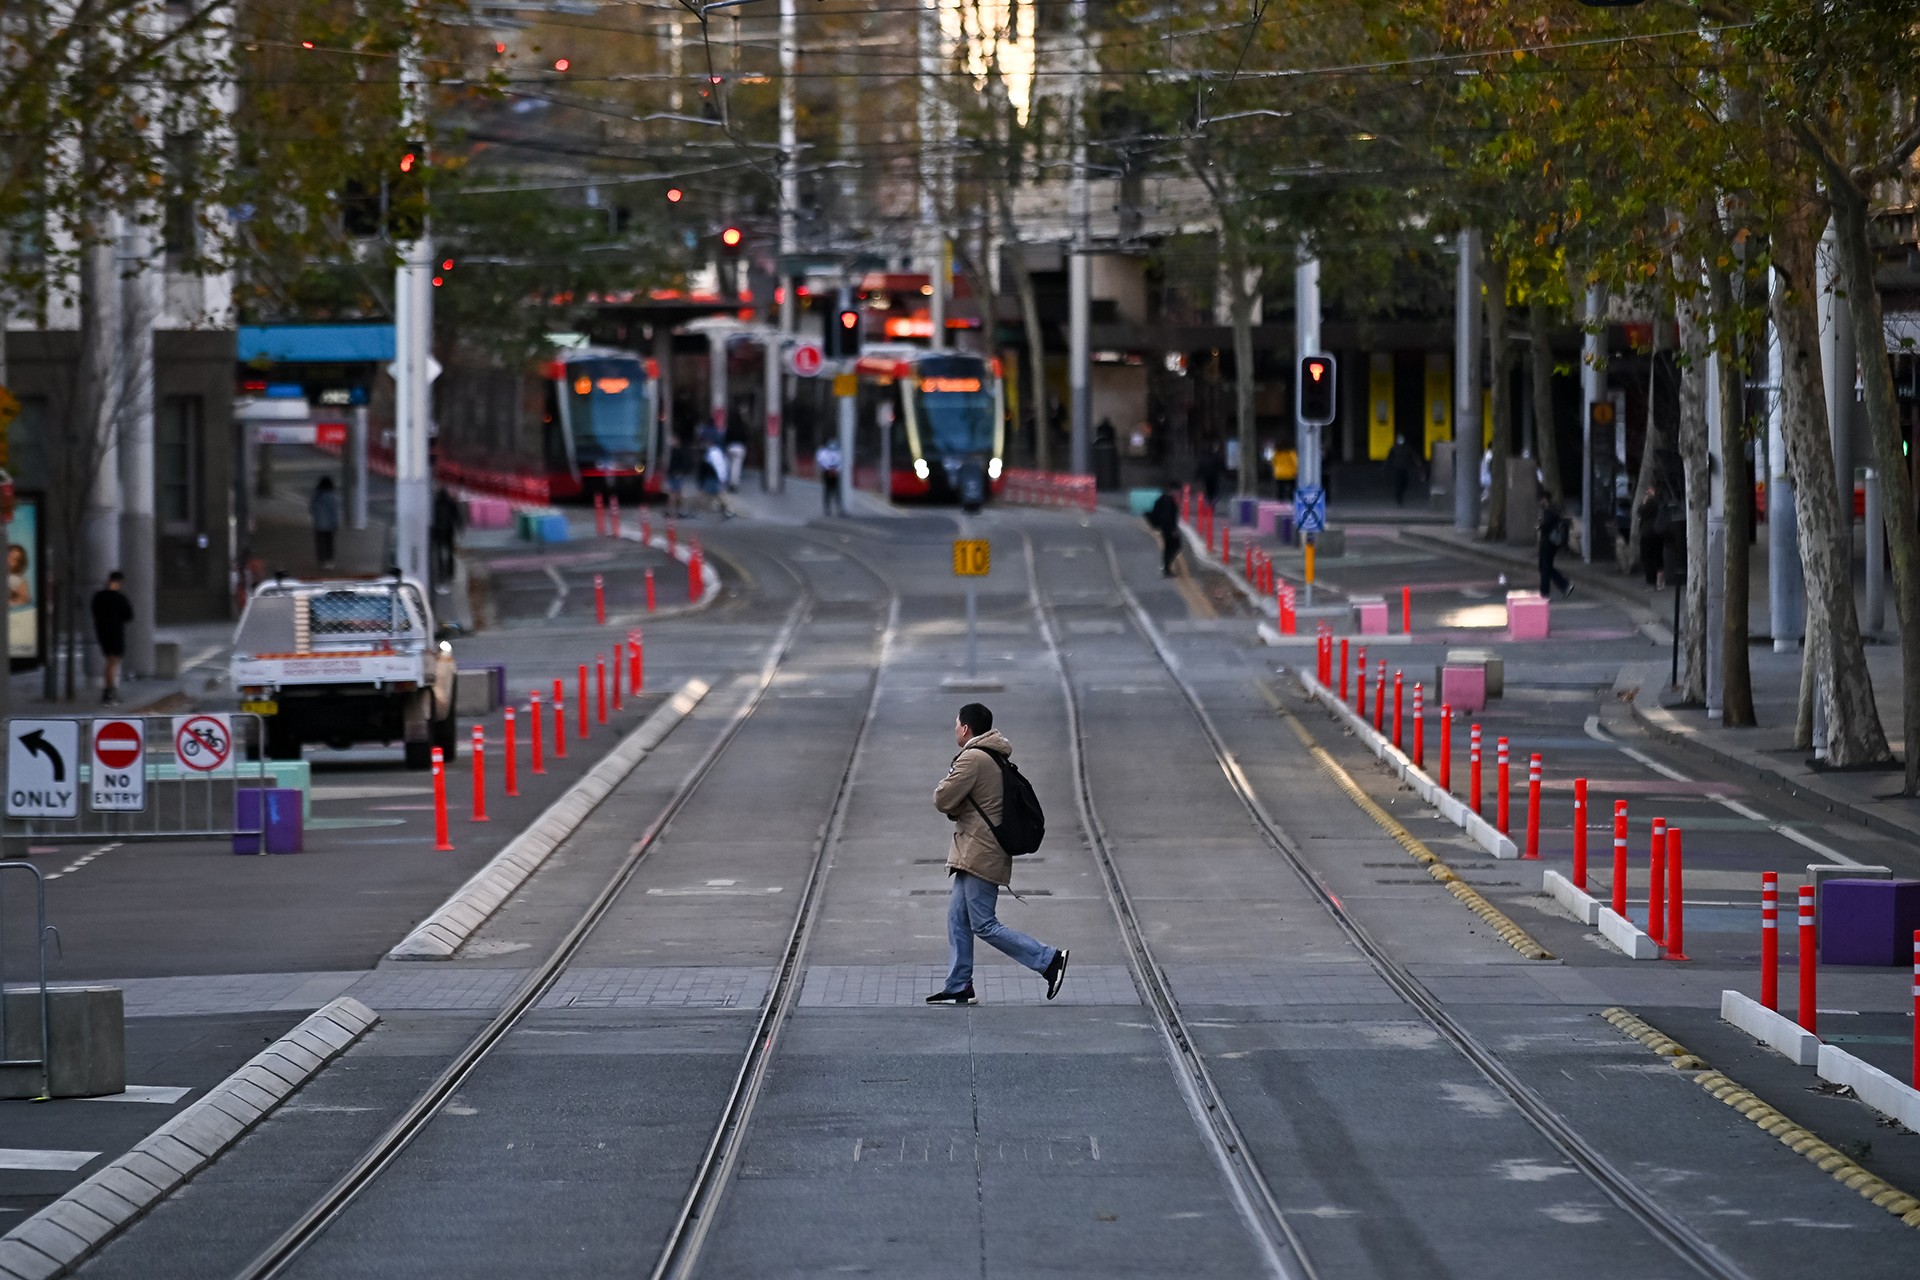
[{"x": 969, "y": 915}]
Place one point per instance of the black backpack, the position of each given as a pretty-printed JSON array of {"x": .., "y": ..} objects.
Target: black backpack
[{"x": 1022, "y": 824}]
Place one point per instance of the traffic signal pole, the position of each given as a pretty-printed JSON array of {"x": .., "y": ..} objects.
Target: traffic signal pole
[
  {"x": 1079, "y": 284},
  {"x": 1466, "y": 384},
  {"x": 413, "y": 352},
  {"x": 773, "y": 475},
  {"x": 1306, "y": 342}
]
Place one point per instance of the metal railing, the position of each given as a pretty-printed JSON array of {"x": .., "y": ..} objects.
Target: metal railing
[{"x": 41, "y": 929}]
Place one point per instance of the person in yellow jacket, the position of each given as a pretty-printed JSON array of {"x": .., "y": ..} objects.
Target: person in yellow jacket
[{"x": 1286, "y": 470}]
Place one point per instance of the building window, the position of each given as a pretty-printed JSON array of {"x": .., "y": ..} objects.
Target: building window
[
  {"x": 177, "y": 454},
  {"x": 180, "y": 229}
]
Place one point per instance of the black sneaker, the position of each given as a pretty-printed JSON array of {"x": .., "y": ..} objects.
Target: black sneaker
[
  {"x": 1569, "y": 592},
  {"x": 963, "y": 996},
  {"x": 1055, "y": 973}
]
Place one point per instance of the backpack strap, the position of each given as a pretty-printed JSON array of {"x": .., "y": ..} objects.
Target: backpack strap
[{"x": 999, "y": 761}]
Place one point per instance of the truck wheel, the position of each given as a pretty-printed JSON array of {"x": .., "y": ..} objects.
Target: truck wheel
[
  {"x": 283, "y": 742},
  {"x": 445, "y": 734}
]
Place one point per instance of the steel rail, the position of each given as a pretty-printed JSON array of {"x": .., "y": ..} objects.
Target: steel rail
[
  {"x": 421, "y": 1112},
  {"x": 714, "y": 1174},
  {"x": 1687, "y": 1244},
  {"x": 1279, "y": 1245}
]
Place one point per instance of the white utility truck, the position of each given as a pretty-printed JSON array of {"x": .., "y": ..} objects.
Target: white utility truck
[{"x": 343, "y": 661}]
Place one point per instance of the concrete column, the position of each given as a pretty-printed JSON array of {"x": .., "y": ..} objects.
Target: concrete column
[
  {"x": 412, "y": 463},
  {"x": 660, "y": 436},
  {"x": 1079, "y": 283},
  {"x": 1466, "y": 385},
  {"x": 143, "y": 283},
  {"x": 773, "y": 472},
  {"x": 356, "y": 477},
  {"x": 717, "y": 380}
]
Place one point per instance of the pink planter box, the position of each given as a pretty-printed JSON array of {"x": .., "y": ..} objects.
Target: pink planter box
[
  {"x": 1526, "y": 615},
  {"x": 1464, "y": 688},
  {"x": 1266, "y": 515},
  {"x": 488, "y": 513},
  {"x": 1370, "y": 615}
]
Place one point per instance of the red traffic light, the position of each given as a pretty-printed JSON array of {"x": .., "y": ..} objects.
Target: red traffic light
[
  {"x": 730, "y": 237},
  {"x": 407, "y": 162},
  {"x": 1317, "y": 369},
  {"x": 849, "y": 319},
  {"x": 674, "y": 195},
  {"x": 561, "y": 64}
]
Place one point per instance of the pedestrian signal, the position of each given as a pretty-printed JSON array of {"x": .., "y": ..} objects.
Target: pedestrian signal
[{"x": 1316, "y": 391}]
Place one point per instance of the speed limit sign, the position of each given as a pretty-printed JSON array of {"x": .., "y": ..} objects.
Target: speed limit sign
[
  {"x": 972, "y": 557},
  {"x": 203, "y": 744}
]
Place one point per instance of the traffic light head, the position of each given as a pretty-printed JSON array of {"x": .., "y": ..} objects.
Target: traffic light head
[
  {"x": 843, "y": 333},
  {"x": 1317, "y": 398},
  {"x": 731, "y": 237}
]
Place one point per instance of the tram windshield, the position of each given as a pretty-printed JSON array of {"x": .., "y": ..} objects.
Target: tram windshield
[
  {"x": 955, "y": 400},
  {"x": 606, "y": 400}
]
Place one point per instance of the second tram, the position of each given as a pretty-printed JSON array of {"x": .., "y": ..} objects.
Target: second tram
[{"x": 926, "y": 417}]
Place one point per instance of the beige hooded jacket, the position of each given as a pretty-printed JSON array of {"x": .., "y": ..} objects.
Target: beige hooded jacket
[{"x": 975, "y": 778}]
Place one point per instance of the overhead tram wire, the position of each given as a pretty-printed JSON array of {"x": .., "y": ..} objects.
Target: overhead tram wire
[
  {"x": 372, "y": 1163},
  {"x": 1688, "y": 1245}
]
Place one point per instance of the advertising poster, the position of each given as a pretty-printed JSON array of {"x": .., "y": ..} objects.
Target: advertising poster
[{"x": 24, "y": 580}]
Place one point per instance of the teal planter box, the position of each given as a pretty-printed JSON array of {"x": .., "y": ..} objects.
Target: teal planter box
[{"x": 1140, "y": 501}]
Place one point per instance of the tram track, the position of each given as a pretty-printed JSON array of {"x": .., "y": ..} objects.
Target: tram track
[
  {"x": 689, "y": 1229},
  {"x": 1703, "y": 1256}
]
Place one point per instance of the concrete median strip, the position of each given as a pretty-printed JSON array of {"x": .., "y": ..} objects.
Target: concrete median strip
[
  {"x": 443, "y": 932},
  {"x": 1783, "y": 1035},
  {"x": 1801, "y": 1141},
  {"x": 58, "y": 1238}
]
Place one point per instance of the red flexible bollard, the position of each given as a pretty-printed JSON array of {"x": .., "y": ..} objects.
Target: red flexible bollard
[
  {"x": 673, "y": 537},
  {"x": 1326, "y": 656},
  {"x": 510, "y": 753},
  {"x": 1809, "y": 964},
  {"x": 1676, "y": 899},
  {"x": 599, "y": 516},
  {"x": 479, "y": 774},
  {"x": 619, "y": 662},
  {"x": 1360, "y": 684},
  {"x": 637, "y": 655},
  {"x": 1406, "y": 611},
  {"x": 586, "y": 721},
  {"x": 1657, "y": 882},
  {"x": 1380, "y": 698},
  {"x": 533, "y": 724},
  {"x": 1620, "y": 858},
  {"x": 1343, "y": 668},
  {"x": 1502, "y": 782},
  {"x": 1580, "y": 834},
  {"x": 559, "y": 720},
  {"x": 1770, "y": 940},
  {"x": 1473, "y": 769},
  {"x": 442, "y": 842},
  {"x": 649, "y": 591},
  {"x": 646, "y": 527},
  {"x": 1446, "y": 747},
  {"x": 600, "y": 687},
  {"x": 1399, "y": 687},
  {"x": 1533, "y": 807},
  {"x": 696, "y": 575},
  {"x": 1419, "y": 730},
  {"x": 599, "y": 600}
]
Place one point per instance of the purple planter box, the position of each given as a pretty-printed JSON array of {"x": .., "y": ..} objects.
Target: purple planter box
[
  {"x": 1869, "y": 922},
  {"x": 284, "y": 831}
]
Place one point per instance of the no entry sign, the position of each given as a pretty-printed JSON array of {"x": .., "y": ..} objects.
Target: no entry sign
[
  {"x": 119, "y": 767},
  {"x": 805, "y": 359},
  {"x": 204, "y": 743}
]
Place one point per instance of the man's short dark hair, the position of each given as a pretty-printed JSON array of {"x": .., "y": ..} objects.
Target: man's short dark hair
[
  {"x": 116, "y": 576},
  {"x": 976, "y": 717}
]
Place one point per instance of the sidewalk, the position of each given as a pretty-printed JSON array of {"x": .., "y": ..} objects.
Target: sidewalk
[
  {"x": 1870, "y": 797},
  {"x": 799, "y": 503}
]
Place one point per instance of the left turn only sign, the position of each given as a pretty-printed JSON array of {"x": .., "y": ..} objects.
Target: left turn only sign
[
  {"x": 118, "y": 782},
  {"x": 43, "y": 768}
]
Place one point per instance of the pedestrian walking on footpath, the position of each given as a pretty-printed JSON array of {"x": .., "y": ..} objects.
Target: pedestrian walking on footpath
[
  {"x": 826, "y": 461},
  {"x": 444, "y": 533},
  {"x": 680, "y": 470},
  {"x": 112, "y": 611},
  {"x": 1553, "y": 537},
  {"x": 973, "y": 796},
  {"x": 1164, "y": 516},
  {"x": 324, "y": 506}
]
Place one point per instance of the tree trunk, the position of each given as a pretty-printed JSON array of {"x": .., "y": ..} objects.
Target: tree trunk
[
  {"x": 1495, "y": 280},
  {"x": 1696, "y": 366},
  {"x": 1242, "y": 299},
  {"x": 1853, "y": 732},
  {"x": 1883, "y": 423},
  {"x": 1036, "y": 385},
  {"x": 1547, "y": 444},
  {"x": 1736, "y": 671},
  {"x": 1648, "y": 476}
]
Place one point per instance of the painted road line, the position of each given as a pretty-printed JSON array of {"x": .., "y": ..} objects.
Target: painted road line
[
  {"x": 59, "y": 1237},
  {"x": 445, "y": 931},
  {"x": 559, "y": 593},
  {"x": 1599, "y": 734},
  {"x": 51, "y": 1161},
  {"x": 82, "y": 861}
]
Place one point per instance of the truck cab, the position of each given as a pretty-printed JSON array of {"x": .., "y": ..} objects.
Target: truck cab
[{"x": 346, "y": 661}]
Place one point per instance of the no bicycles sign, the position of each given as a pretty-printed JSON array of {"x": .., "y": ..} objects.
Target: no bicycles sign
[{"x": 204, "y": 743}]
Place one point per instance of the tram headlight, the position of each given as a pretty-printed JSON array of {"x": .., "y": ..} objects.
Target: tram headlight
[
  {"x": 921, "y": 469},
  {"x": 993, "y": 469}
]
